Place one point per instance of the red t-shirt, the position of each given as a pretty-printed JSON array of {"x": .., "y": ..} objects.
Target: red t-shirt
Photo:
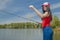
[{"x": 46, "y": 21}]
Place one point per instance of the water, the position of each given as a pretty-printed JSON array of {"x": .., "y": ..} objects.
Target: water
[{"x": 21, "y": 34}]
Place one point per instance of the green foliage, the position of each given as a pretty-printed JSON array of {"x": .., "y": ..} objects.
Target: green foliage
[
  {"x": 55, "y": 22},
  {"x": 19, "y": 25}
]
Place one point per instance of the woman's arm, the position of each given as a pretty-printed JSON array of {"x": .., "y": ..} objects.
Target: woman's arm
[{"x": 38, "y": 12}]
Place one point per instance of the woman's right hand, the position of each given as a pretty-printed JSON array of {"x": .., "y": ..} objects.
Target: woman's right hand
[{"x": 31, "y": 6}]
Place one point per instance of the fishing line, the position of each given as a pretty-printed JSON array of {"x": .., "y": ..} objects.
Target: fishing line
[{"x": 20, "y": 16}]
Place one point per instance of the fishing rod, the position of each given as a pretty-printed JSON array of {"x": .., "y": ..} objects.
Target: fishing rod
[{"x": 20, "y": 16}]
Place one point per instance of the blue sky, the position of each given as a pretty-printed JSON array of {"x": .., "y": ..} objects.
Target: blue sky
[{"x": 20, "y": 7}]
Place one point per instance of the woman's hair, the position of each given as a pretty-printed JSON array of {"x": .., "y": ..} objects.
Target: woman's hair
[{"x": 48, "y": 10}]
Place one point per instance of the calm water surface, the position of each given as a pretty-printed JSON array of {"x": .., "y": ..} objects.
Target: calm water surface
[{"x": 21, "y": 34}]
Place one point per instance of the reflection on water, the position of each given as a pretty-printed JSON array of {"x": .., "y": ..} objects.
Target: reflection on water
[{"x": 21, "y": 34}]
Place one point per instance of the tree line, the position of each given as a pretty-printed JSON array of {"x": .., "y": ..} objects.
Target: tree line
[
  {"x": 20, "y": 25},
  {"x": 55, "y": 23}
]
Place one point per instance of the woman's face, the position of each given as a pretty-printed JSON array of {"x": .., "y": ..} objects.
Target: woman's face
[{"x": 44, "y": 8}]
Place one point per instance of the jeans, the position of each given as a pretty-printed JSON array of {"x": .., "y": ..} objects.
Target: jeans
[{"x": 47, "y": 33}]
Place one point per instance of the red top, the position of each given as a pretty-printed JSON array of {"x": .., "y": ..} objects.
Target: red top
[{"x": 46, "y": 21}]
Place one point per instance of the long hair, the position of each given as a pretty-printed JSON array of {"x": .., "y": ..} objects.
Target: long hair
[{"x": 48, "y": 10}]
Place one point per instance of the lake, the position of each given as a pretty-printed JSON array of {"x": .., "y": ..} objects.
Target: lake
[{"x": 21, "y": 34}]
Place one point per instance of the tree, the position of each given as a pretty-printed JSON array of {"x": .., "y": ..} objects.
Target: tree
[{"x": 55, "y": 22}]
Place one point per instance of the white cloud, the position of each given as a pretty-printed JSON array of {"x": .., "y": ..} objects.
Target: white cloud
[
  {"x": 3, "y": 3},
  {"x": 29, "y": 15},
  {"x": 14, "y": 20},
  {"x": 15, "y": 9},
  {"x": 57, "y": 14},
  {"x": 56, "y": 5}
]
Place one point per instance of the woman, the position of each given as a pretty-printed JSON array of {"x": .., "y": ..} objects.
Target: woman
[{"x": 46, "y": 17}]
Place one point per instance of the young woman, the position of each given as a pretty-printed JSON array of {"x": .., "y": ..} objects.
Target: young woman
[{"x": 46, "y": 17}]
